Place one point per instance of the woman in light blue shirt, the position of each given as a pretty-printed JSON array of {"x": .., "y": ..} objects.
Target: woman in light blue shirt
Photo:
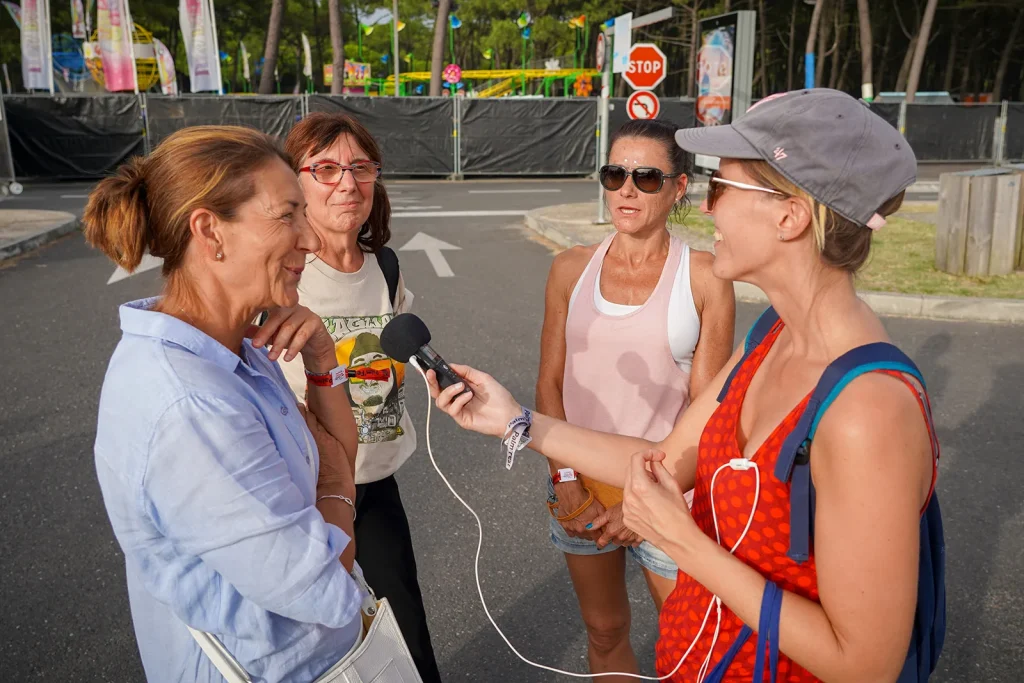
[{"x": 232, "y": 504}]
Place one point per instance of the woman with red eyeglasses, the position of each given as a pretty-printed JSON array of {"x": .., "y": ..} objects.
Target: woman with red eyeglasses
[
  {"x": 634, "y": 327},
  {"x": 354, "y": 284}
]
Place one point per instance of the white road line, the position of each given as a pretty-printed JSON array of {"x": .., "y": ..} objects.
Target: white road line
[
  {"x": 420, "y": 208},
  {"x": 512, "y": 191},
  {"x": 456, "y": 214},
  {"x": 74, "y": 196}
]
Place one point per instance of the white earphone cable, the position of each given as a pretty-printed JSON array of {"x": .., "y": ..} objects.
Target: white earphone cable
[{"x": 476, "y": 570}]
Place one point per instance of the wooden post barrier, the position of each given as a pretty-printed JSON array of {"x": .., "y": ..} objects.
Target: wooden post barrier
[{"x": 980, "y": 222}]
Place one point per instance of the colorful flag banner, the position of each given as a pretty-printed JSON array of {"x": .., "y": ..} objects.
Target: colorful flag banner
[
  {"x": 115, "y": 42},
  {"x": 36, "y": 55},
  {"x": 78, "y": 30},
  {"x": 15, "y": 12},
  {"x": 200, "y": 45},
  {"x": 165, "y": 64}
]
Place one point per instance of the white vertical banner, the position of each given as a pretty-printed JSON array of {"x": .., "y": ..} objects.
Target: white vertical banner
[
  {"x": 245, "y": 62},
  {"x": 36, "y": 57},
  {"x": 623, "y": 41},
  {"x": 196, "y": 18},
  {"x": 307, "y": 59}
]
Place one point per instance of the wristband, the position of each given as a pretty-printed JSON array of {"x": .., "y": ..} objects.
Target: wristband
[
  {"x": 517, "y": 436},
  {"x": 335, "y": 377},
  {"x": 563, "y": 475}
]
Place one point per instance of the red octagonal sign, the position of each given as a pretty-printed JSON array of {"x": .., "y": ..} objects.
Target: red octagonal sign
[{"x": 647, "y": 66}]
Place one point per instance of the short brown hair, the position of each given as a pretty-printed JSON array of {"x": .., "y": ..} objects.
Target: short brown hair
[
  {"x": 146, "y": 205},
  {"x": 320, "y": 130},
  {"x": 843, "y": 243}
]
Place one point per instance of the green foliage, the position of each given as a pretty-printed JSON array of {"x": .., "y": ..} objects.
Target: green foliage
[{"x": 490, "y": 24}]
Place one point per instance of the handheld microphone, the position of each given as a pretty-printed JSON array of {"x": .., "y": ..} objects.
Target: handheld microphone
[{"x": 405, "y": 337}]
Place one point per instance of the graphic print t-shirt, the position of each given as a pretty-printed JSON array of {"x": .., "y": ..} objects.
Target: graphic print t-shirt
[{"x": 355, "y": 308}]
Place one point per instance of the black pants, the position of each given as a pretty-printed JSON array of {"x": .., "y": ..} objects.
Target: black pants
[{"x": 384, "y": 551}]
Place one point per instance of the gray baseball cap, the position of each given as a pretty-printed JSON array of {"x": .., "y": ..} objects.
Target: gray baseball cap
[{"x": 824, "y": 141}]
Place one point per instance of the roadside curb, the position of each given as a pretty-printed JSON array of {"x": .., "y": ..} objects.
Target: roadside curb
[
  {"x": 34, "y": 241},
  {"x": 884, "y": 303}
]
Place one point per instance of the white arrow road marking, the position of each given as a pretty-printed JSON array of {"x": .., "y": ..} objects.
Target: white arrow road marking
[
  {"x": 148, "y": 263},
  {"x": 432, "y": 246}
]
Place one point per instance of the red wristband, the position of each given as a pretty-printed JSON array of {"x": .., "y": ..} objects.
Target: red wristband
[{"x": 335, "y": 377}]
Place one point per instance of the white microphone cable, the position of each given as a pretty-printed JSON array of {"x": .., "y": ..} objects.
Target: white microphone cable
[{"x": 476, "y": 570}]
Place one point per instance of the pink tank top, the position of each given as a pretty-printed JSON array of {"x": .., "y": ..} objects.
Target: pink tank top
[{"x": 620, "y": 376}]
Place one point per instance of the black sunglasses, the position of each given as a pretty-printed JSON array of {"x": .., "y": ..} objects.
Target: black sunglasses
[{"x": 648, "y": 180}]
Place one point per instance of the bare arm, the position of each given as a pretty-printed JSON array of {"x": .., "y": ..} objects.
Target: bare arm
[
  {"x": 565, "y": 271},
  {"x": 871, "y": 470},
  {"x": 716, "y": 304},
  {"x": 488, "y": 407}
]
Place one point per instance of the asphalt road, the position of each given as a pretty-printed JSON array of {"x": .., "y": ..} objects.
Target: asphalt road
[{"x": 62, "y": 586}]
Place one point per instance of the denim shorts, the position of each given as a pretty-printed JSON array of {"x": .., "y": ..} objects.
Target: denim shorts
[{"x": 647, "y": 554}]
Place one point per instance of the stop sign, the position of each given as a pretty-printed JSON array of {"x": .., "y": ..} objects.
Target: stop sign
[{"x": 647, "y": 66}]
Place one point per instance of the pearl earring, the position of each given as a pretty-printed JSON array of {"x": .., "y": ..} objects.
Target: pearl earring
[{"x": 220, "y": 255}]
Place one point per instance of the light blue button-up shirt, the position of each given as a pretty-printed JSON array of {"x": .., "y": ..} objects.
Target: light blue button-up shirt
[{"x": 208, "y": 475}]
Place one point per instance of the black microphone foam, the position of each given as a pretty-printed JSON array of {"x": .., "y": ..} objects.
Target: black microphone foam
[{"x": 404, "y": 336}]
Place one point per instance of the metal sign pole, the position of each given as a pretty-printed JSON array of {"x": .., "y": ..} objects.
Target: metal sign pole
[{"x": 606, "y": 84}]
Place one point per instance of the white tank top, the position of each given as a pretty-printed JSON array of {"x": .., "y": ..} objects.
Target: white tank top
[{"x": 683, "y": 319}]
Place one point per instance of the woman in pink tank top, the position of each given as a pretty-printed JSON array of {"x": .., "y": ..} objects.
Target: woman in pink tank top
[{"x": 633, "y": 328}]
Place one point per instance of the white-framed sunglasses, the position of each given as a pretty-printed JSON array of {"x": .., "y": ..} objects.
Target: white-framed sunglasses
[{"x": 717, "y": 184}]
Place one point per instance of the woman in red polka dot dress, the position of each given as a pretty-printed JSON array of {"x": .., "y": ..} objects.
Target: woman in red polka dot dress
[{"x": 804, "y": 180}]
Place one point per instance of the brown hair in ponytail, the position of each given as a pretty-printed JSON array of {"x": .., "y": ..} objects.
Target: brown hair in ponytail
[{"x": 147, "y": 204}]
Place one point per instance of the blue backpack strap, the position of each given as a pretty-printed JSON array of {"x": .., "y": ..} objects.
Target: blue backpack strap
[
  {"x": 794, "y": 464},
  {"x": 755, "y": 335},
  {"x": 767, "y": 637}
]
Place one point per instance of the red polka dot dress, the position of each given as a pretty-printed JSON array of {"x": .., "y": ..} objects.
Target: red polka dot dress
[{"x": 763, "y": 548}]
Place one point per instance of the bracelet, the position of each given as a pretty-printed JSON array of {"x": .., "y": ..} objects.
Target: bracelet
[
  {"x": 344, "y": 498},
  {"x": 573, "y": 515},
  {"x": 517, "y": 436}
]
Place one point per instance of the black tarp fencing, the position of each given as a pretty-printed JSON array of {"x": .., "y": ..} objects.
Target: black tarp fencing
[
  {"x": 890, "y": 111},
  {"x": 68, "y": 136},
  {"x": 415, "y": 133},
  {"x": 512, "y": 136},
  {"x": 271, "y": 114},
  {"x": 1015, "y": 132},
  {"x": 944, "y": 132}
]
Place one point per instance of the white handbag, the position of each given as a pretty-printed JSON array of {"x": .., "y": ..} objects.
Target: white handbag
[{"x": 380, "y": 655}]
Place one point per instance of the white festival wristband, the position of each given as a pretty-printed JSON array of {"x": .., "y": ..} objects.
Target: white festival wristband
[{"x": 517, "y": 436}]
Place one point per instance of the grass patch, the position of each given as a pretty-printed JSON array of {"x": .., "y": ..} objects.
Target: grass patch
[{"x": 903, "y": 260}]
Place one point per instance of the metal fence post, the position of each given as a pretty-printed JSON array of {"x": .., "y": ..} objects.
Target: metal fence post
[
  {"x": 901, "y": 122},
  {"x": 456, "y": 139},
  {"x": 144, "y": 112}
]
